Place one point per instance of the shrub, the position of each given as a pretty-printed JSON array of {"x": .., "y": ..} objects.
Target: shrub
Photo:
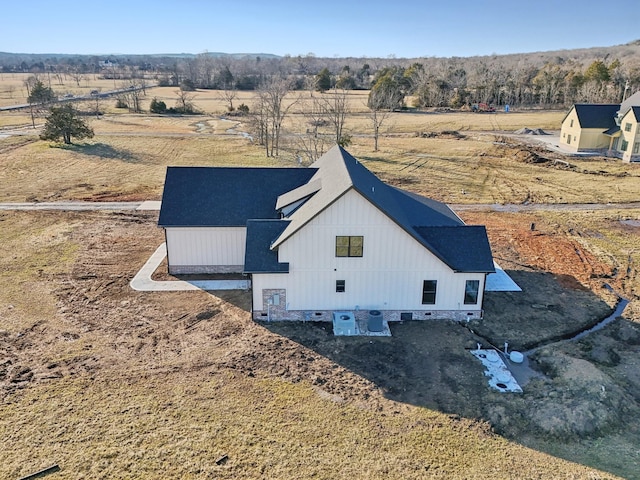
[{"x": 158, "y": 106}]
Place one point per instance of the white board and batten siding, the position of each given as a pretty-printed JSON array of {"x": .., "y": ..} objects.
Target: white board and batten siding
[
  {"x": 389, "y": 275},
  {"x": 205, "y": 249}
]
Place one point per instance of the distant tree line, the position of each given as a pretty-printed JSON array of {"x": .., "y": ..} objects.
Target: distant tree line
[{"x": 598, "y": 75}]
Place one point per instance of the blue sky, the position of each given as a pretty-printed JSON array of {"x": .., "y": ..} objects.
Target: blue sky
[{"x": 326, "y": 28}]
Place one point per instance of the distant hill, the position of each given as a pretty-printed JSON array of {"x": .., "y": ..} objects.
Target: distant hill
[{"x": 628, "y": 50}]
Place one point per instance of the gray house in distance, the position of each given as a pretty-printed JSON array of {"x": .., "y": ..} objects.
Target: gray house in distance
[{"x": 330, "y": 237}]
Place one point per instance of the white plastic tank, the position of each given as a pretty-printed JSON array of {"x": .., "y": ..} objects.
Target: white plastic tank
[{"x": 516, "y": 357}]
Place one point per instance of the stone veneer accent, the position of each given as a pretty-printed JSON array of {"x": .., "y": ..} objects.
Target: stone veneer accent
[{"x": 273, "y": 312}]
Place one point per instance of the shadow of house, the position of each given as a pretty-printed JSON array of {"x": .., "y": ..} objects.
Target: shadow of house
[
  {"x": 548, "y": 309},
  {"x": 428, "y": 364}
]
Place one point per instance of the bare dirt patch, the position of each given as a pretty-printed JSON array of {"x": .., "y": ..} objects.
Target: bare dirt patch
[{"x": 100, "y": 332}]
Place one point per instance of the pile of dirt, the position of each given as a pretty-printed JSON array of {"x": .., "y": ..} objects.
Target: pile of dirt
[
  {"x": 529, "y": 131},
  {"x": 450, "y": 134}
]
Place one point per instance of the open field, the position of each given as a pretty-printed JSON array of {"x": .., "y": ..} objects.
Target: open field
[
  {"x": 132, "y": 166},
  {"x": 112, "y": 383}
]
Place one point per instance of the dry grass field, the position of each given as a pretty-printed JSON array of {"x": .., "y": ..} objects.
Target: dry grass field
[{"x": 112, "y": 383}]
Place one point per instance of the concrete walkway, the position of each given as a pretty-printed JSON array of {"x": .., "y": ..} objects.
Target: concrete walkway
[
  {"x": 148, "y": 205},
  {"x": 142, "y": 282}
]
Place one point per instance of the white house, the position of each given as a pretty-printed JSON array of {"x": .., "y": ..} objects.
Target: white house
[{"x": 331, "y": 237}]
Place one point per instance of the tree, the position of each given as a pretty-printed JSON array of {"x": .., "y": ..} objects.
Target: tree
[
  {"x": 323, "y": 80},
  {"x": 133, "y": 91},
  {"x": 157, "y": 106},
  {"x": 598, "y": 72},
  {"x": 38, "y": 95},
  {"x": 273, "y": 111},
  {"x": 388, "y": 90},
  {"x": 380, "y": 107},
  {"x": 228, "y": 94},
  {"x": 41, "y": 94},
  {"x": 63, "y": 123},
  {"x": 335, "y": 109},
  {"x": 184, "y": 104}
]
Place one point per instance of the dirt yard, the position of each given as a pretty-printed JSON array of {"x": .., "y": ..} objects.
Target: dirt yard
[{"x": 103, "y": 355}]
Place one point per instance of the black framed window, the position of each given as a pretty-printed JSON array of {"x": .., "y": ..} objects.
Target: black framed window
[
  {"x": 471, "y": 292},
  {"x": 429, "y": 288},
  {"x": 340, "y": 286},
  {"x": 349, "y": 246}
]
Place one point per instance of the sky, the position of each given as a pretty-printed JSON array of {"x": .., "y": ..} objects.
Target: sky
[{"x": 325, "y": 28}]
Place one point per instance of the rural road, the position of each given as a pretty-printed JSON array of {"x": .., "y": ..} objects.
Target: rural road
[{"x": 493, "y": 207}]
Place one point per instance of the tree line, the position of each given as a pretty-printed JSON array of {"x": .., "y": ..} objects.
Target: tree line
[{"x": 549, "y": 79}]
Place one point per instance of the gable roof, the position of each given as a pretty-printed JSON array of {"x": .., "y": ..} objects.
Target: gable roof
[
  {"x": 339, "y": 172},
  {"x": 632, "y": 101},
  {"x": 258, "y": 257},
  {"x": 257, "y": 197},
  {"x": 635, "y": 111},
  {"x": 225, "y": 196},
  {"x": 594, "y": 115}
]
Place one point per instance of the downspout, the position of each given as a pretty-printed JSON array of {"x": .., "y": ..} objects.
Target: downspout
[
  {"x": 484, "y": 286},
  {"x": 167, "y": 249}
]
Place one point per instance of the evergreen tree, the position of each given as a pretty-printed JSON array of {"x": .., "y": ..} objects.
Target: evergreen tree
[
  {"x": 41, "y": 93},
  {"x": 63, "y": 123},
  {"x": 323, "y": 80}
]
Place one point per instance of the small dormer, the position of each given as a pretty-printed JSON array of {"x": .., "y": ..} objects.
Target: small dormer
[{"x": 289, "y": 202}]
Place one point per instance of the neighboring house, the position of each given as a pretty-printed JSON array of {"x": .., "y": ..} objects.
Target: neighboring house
[
  {"x": 610, "y": 129},
  {"x": 331, "y": 237},
  {"x": 628, "y": 145},
  {"x": 587, "y": 127}
]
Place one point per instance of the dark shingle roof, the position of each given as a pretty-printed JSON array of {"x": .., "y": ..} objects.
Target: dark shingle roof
[
  {"x": 259, "y": 258},
  {"x": 596, "y": 115},
  {"x": 340, "y": 172},
  {"x": 463, "y": 248},
  {"x": 220, "y": 196},
  {"x": 210, "y": 196}
]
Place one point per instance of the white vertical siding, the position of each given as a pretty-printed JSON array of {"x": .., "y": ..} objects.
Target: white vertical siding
[
  {"x": 388, "y": 276},
  {"x": 206, "y": 245}
]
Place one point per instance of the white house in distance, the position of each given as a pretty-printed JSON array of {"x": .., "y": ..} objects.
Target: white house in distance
[{"x": 330, "y": 237}]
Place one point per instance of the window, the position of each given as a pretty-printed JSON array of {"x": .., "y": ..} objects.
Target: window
[
  {"x": 627, "y": 127},
  {"x": 624, "y": 145},
  {"x": 471, "y": 292},
  {"x": 340, "y": 285},
  {"x": 571, "y": 124},
  {"x": 349, "y": 246},
  {"x": 568, "y": 139},
  {"x": 429, "y": 292},
  {"x": 636, "y": 147}
]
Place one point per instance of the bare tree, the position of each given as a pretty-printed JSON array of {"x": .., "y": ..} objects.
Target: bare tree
[
  {"x": 314, "y": 142},
  {"x": 258, "y": 123},
  {"x": 228, "y": 94},
  {"x": 185, "y": 101},
  {"x": 271, "y": 97},
  {"x": 334, "y": 106},
  {"x": 76, "y": 74},
  {"x": 380, "y": 108},
  {"x": 133, "y": 94}
]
